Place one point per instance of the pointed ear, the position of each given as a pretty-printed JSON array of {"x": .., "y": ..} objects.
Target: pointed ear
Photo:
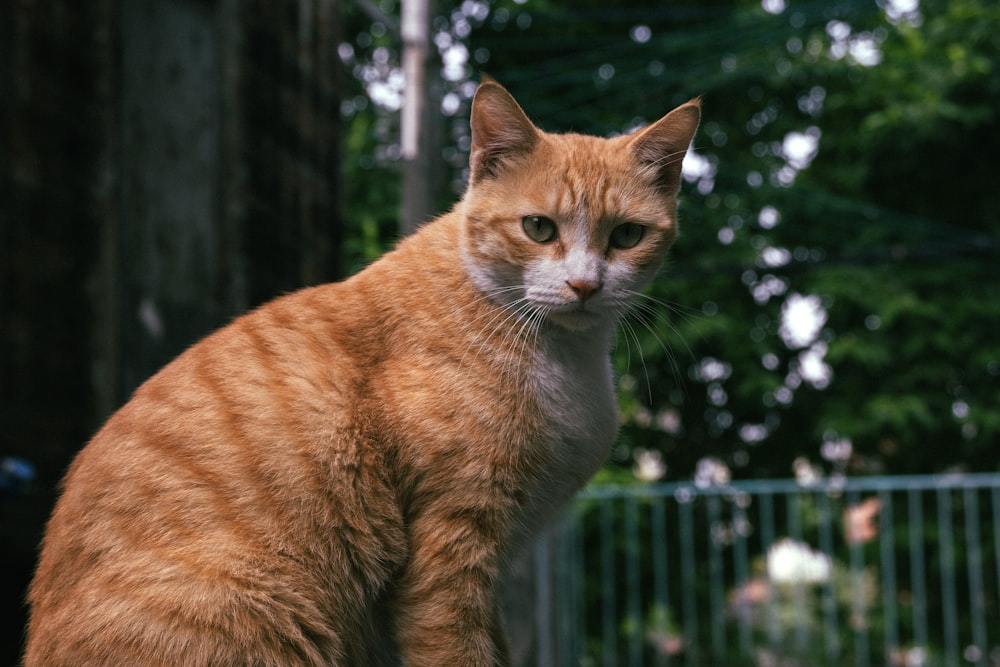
[
  {"x": 500, "y": 131},
  {"x": 663, "y": 144}
]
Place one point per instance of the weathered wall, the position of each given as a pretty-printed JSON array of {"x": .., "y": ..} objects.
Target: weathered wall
[
  {"x": 171, "y": 282},
  {"x": 164, "y": 165},
  {"x": 54, "y": 95}
]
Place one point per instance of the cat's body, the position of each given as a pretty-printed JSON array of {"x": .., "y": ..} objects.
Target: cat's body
[{"x": 341, "y": 475}]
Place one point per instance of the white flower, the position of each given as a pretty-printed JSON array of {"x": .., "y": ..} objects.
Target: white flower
[{"x": 792, "y": 562}]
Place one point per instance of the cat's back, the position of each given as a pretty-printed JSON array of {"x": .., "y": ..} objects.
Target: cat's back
[{"x": 235, "y": 490}]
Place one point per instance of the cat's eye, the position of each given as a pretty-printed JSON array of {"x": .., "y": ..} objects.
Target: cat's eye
[
  {"x": 627, "y": 235},
  {"x": 539, "y": 228}
]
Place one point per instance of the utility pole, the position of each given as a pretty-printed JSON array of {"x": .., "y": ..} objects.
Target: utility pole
[{"x": 416, "y": 196}]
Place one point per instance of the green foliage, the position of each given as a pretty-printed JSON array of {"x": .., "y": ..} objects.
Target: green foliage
[
  {"x": 889, "y": 218},
  {"x": 372, "y": 193},
  {"x": 878, "y": 226}
]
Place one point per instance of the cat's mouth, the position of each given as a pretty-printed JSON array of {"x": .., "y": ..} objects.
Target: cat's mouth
[{"x": 573, "y": 314}]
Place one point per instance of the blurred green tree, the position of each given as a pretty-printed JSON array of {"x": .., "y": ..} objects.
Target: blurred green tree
[
  {"x": 834, "y": 295},
  {"x": 832, "y": 303}
]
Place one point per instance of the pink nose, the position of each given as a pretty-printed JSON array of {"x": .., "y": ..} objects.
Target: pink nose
[{"x": 583, "y": 288}]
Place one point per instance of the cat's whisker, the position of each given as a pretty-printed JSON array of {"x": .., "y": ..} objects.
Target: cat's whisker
[
  {"x": 480, "y": 299},
  {"x": 622, "y": 324},
  {"x": 675, "y": 308},
  {"x": 654, "y": 306},
  {"x": 535, "y": 321},
  {"x": 630, "y": 331},
  {"x": 644, "y": 311},
  {"x": 498, "y": 318},
  {"x": 506, "y": 317},
  {"x": 528, "y": 329}
]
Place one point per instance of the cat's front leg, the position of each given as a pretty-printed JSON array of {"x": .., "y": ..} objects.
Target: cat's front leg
[{"x": 446, "y": 610}]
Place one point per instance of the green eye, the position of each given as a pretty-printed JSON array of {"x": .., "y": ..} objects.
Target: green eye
[
  {"x": 539, "y": 228},
  {"x": 627, "y": 235}
]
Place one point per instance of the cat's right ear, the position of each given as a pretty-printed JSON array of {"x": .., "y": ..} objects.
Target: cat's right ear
[
  {"x": 501, "y": 131},
  {"x": 663, "y": 144}
]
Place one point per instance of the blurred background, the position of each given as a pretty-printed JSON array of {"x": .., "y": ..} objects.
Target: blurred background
[{"x": 831, "y": 312}]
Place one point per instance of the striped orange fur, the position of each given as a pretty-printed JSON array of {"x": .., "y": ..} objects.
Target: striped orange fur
[{"x": 339, "y": 477}]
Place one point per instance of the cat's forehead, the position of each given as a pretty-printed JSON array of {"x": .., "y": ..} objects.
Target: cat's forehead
[
  {"x": 585, "y": 149},
  {"x": 591, "y": 177},
  {"x": 592, "y": 163}
]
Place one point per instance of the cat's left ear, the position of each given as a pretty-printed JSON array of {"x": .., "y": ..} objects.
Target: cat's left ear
[
  {"x": 663, "y": 144},
  {"x": 500, "y": 131}
]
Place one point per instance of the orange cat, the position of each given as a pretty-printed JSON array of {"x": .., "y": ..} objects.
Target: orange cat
[{"x": 339, "y": 477}]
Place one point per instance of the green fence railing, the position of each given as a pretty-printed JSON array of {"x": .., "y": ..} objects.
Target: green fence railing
[{"x": 861, "y": 572}]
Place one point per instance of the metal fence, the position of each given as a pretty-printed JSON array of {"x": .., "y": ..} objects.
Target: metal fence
[{"x": 875, "y": 571}]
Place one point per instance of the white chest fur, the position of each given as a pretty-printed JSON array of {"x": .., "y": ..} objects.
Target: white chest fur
[{"x": 574, "y": 386}]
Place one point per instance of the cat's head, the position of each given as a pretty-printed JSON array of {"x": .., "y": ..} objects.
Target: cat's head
[{"x": 568, "y": 227}]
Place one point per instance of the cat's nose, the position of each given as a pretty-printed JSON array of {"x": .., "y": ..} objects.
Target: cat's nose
[{"x": 583, "y": 289}]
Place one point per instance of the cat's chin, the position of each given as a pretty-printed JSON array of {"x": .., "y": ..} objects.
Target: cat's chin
[{"x": 578, "y": 320}]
